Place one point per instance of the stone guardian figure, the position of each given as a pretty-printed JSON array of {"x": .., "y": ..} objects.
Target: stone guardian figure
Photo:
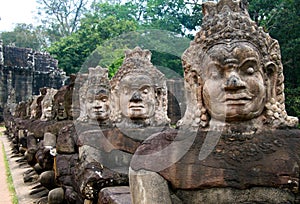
[{"x": 235, "y": 143}]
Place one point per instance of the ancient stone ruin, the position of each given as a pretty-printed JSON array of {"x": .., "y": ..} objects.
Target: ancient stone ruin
[
  {"x": 23, "y": 72},
  {"x": 100, "y": 140},
  {"x": 80, "y": 138}
]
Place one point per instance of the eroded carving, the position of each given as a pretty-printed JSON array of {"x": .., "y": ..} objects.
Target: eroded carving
[
  {"x": 47, "y": 105},
  {"x": 235, "y": 133},
  {"x": 139, "y": 92}
]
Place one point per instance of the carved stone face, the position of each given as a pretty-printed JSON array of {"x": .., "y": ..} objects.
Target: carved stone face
[
  {"x": 233, "y": 82},
  {"x": 97, "y": 105},
  {"x": 61, "y": 112},
  {"x": 47, "y": 110},
  {"x": 137, "y": 97}
]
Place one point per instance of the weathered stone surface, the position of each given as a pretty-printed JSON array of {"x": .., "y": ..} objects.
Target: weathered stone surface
[
  {"x": 47, "y": 105},
  {"x": 49, "y": 139},
  {"x": 44, "y": 158},
  {"x": 176, "y": 100},
  {"x": 65, "y": 164},
  {"x": 139, "y": 92},
  {"x": 47, "y": 179},
  {"x": 66, "y": 140},
  {"x": 267, "y": 159},
  {"x": 25, "y": 71},
  {"x": 150, "y": 181},
  {"x": 115, "y": 195},
  {"x": 234, "y": 143},
  {"x": 56, "y": 196},
  {"x": 235, "y": 196}
]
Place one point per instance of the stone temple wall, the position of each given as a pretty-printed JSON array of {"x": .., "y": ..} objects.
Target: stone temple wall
[{"x": 24, "y": 71}]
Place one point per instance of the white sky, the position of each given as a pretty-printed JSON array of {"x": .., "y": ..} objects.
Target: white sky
[{"x": 16, "y": 11}]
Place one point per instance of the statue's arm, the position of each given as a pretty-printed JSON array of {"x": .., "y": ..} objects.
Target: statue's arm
[{"x": 147, "y": 187}]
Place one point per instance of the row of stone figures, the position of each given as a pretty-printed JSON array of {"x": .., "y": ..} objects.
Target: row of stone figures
[
  {"x": 110, "y": 141},
  {"x": 81, "y": 137}
]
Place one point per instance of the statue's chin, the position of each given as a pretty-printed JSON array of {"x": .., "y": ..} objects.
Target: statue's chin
[{"x": 235, "y": 117}]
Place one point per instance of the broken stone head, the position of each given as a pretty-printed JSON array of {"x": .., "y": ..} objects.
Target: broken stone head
[
  {"x": 47, "y": 105},
  {"x": 139, "y": 92}
]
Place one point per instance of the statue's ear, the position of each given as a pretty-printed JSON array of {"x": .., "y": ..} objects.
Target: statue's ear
[{"x": 271, "y": 71}]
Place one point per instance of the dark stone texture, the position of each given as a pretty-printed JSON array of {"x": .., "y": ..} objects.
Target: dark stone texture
[
  {"x": 241, "y": 161},
  {"x": 26, "y": 71},
  {"x": 115, "y": 195}
]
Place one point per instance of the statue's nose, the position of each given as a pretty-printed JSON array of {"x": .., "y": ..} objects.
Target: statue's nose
[
  {"x": 234, "y": 82},
  {"x": 136, "y": 97}
]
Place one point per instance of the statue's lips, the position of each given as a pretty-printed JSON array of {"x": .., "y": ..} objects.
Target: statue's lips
[
  {"x": 236, "y": 99},
  {"x": 136, "y": 106},
  {"x": 99, "y": 111}
]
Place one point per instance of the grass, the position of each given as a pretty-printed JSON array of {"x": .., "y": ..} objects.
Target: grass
[{"x": 9, "y": 179}]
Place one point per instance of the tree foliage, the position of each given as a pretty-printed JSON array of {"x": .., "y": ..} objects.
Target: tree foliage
[
  {"x": 166, "y": 48},
  {"x": 177, "y": 16},
  {"x": 281, "y": 18},
  {"x": 23, "y": 35},
  {"x": 61, "y": 17},
  {"x": 73, "y": 50}
]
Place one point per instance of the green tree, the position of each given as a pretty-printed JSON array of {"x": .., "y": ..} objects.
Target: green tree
[
  {"x": 23, "y": 35},
  {"x": 61, "y": 17},
  {"x": 166, "y": 47},
  {"x": 72, "y": 51},
  {"x": 177, "y": 16}
]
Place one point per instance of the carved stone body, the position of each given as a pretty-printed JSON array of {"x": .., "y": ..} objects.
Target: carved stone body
[{"x": 234, "y": 143}]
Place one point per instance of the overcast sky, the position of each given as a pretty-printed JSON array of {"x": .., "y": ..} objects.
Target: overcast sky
[{"x": 16, "y": 11}]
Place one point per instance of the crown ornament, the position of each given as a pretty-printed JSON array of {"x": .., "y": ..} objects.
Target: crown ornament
[
  {"x": 138, "y": 61},
  {"x": 98, "y": 77}
]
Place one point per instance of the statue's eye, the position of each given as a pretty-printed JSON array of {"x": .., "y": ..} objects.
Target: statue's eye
[
  {"x": 250, "y": 70},
  {"x": 145, "y": 91}
]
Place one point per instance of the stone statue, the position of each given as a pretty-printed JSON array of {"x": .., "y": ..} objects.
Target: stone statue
[
  {"x": 97, "y": 96},
  {"x": 139, "y": 92},
  {"x": 47, "y": 105},
  {"x": 59, "y": 110},
  {"x": 138, "y": 108},
  {"x": 36, "y": 107},
  {"x": 138, "y": 102},
  {"x": 71, "y": 99},
  {"x": 237, "y": 68},
  {"x": 235, "y": 143},
  {"x": 94, "y": 118}
]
